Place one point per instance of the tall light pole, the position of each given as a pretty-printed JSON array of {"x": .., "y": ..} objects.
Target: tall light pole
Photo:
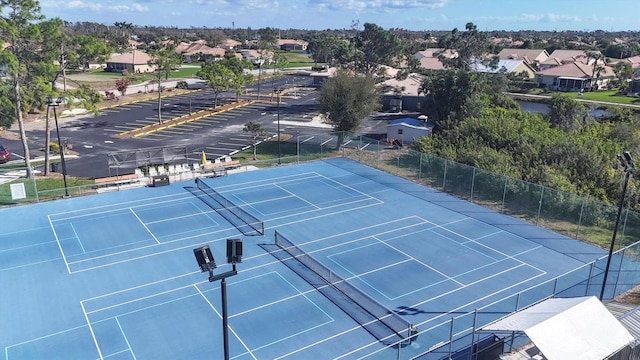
[
  {"x": 277, "y": 92},
  {"x": 627, "y": 163},
  {"x": 51, "y": 103},
  {"x": 207, "y": 263}
]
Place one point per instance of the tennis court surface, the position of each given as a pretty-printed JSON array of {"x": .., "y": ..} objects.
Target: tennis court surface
[{"x": 366, "y": 265}]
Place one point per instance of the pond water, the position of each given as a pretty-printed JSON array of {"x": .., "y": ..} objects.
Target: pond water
[{"x": 543, "y": 108}]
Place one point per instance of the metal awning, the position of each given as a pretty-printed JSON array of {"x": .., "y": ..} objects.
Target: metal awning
[{"x": 572, "y": 328}]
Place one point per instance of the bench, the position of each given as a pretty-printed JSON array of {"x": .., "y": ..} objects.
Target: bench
[
  {"x": 117, "y": 180},
  {"x": 220, "y": 169}
]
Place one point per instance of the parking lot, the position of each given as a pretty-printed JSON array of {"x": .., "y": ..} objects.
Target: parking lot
[{"x": 218, "y": 134}]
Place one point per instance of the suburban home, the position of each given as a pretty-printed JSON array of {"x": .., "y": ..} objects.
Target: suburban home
[
  {"x": 575, "y": 76},
  {"x": 509, "y": 66},
  {"x": 203, "y": 53},
  {"x": 292, "y": 45},
  {"x": 635, "y": 64},
  {"x": 405, "y": 130},
  {"x": 229, "y": 44},
  {"x": 257, "y": 57},
  {"x": 318, "y": 77},
  {"x": 560, "y": 57},
  {"x": 399, "y": 95},
  {"x": 132, "y": 62},
  {"x": 529, "y": 56},
  {"x": 429, "y": 58}
]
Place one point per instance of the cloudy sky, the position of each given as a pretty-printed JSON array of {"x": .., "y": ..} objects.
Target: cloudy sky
[{"x": 339, "y": 14}]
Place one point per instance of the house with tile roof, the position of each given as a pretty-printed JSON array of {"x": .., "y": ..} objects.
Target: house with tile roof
[
  {"x": 229, "y": 44},
  {"x": 575, "y": 76},
  {"x": 561, "y": 56},
  {"x": 530, "y": 56},
  {"x": 292, "y": 44},
  {"x": 429, "y": 58},
  {"x": 509, "y": 66},
  {"x": 131, "y": 62}
]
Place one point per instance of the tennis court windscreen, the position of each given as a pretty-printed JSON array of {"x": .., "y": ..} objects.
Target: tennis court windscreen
[
  {"x": 240, "y": 218},
  {"x": 401, "y": 327}
]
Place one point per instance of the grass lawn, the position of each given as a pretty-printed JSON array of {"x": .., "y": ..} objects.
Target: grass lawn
[{"x": 606, "y": 96}]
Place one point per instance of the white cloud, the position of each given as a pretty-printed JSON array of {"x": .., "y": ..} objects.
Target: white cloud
[
  {"x": 551, "y": 17},
  {"x": 360, "y": 5}
]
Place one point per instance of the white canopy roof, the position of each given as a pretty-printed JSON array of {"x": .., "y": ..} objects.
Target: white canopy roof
[{"x": 572, "y": 328}]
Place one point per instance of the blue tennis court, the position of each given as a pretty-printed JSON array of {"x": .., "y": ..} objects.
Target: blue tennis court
[{"x": 113, "y": 276}]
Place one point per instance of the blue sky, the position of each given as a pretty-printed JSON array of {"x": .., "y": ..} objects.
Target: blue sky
[{"x": 608, "y": 15}]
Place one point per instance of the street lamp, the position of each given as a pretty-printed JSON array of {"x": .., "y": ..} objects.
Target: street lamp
[
  {"x": 51, "y": 103},
  {"x": 627, "y": 163},
  {"x": 277, "y": 92},
  {"x": 207, "y": 263}
]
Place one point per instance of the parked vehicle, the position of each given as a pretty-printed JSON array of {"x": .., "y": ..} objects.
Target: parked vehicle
[{"x": 4, "y": 155}]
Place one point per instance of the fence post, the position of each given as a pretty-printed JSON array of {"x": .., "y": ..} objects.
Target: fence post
[
  {"x": 444, "y": 176},
  {"x": 504, "y": 192},
  {"x": 451, "y": 339},
  {"x": 540, "y": 205},
  {"x": 615, "y": 286},
  {"x": 580, "y": 220},
  {"x": 586, "y": 291},
  {"x": 473, "y": 182}
]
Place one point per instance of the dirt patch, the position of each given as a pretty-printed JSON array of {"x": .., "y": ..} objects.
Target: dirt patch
[{"x": 630, "y": 297}]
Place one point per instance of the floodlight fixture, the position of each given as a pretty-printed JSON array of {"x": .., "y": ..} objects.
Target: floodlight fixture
[
  {"x": 234, "y": 251},
  {"x": 205, "y": 259}
]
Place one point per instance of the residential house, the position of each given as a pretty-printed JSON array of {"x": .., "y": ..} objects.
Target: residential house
[
  {"x": 257, "y": 57},
  {"x": 400, "y": 95},
  {"x": 292, "y": 45},
  {"x": 530, "y": 56},
  {"x": 229, "y": 44},
  {"x": 132, "y": 62},
  {"x": 561, "y": 56},
  {"x": 510, "y": 66},
  {"x": 575, "y": 76},
  {"x": 635, "y": 65},
  {"x": 199, "y": 51},
  {"x": 429, "y": 58},
  {"x": 406, "y": 130}
]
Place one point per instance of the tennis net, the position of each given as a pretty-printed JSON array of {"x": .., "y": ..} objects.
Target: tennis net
[
  {"x": 240, "y": 218},
  {"x": 400, "y": 328}
]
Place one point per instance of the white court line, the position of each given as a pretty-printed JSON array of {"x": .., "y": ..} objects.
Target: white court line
[
  {"x": 228, "y": 326},
  {"x": 55, "y": 235},
  {"x": 296, "y": 196},
  {"x": 6, "y": 349},
  {"x": 144, "y": 225},
  {"x": 121, "y": 205},
  {"x": 126, "y": 340},
  {"x": 93, "y": 335},
  {"x": 77, "y": 237}
]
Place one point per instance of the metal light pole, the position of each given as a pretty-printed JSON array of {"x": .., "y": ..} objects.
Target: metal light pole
[
  {"x": 627, "y": 163},
  {"x": 277, "y": 91},
  {"x": 54, "y": 104},
  {"x": 207, "y": 263}
]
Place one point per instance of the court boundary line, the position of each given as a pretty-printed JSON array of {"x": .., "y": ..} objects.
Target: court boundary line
[
  {"x": 145, "y": 226},
  {"x": 124, "y": 336}
]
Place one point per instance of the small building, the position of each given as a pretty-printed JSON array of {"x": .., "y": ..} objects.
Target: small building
[
  {"x": 132, "y": 62},
  {"x": 405, "y": 130},
  {"x": 319, "y": 77},
  {"x": 575, "y": 76}
]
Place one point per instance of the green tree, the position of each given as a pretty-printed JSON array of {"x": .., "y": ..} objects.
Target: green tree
[
  {"x": 257, "y": 132},
  {"x": 446, "y": 93},
  {"x": 218, "y": 76},
  {"x": 347, "y": 99},
  {"x": 89, "y": 49},
  {"x": 470, "y": 46},
  {"x": 374, "y": 47},
  {"x": 19, "y": 28},
  {"x": 624, "y": 72},
  {"x": 565, "y": 113},
  {"x": 163, "y": 61}
]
